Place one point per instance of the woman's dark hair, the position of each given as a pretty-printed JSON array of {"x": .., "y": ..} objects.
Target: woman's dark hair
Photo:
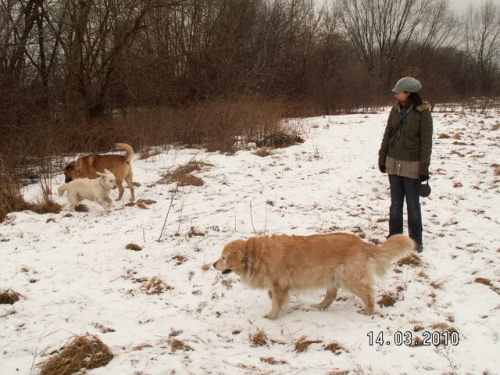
[{"x": 415, "y": 99}]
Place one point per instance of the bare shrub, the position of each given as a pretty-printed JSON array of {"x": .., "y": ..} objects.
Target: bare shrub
[
  {"x": 79, "y": 353},
  {"x": 214, "y": 124},
  {"x": 11, "y": 199}
]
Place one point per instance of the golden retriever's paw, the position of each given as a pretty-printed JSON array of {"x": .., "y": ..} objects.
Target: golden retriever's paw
[
  {"x": 320, "y": 306},
  {"x": 271, "y": 316},
  {"x": 365, "y": 312}
]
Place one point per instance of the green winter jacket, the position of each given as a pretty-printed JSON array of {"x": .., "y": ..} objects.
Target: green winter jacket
[{"x": 413, "y": 140}]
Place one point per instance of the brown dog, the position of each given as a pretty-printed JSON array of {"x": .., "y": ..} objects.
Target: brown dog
[
  {"x": 287, "y": 263},
  {"x": 88, "y": 166}
]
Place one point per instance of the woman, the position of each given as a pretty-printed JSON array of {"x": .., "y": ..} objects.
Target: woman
[{"x": 405, "y": 155}]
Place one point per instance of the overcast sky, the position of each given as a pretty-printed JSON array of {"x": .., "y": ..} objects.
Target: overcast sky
[{"x": 459, "y": 6}]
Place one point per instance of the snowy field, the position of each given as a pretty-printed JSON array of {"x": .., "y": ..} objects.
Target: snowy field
[{"x": 163, "y": 310}]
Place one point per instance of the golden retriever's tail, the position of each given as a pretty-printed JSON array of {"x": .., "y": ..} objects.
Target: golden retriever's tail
[
  {"x": 395, "y": 247},
  {"x": 130, "y": 152},
  {"x": 62, "y": 189}
]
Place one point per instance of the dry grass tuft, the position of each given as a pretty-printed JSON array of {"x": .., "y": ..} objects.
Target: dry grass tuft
[
  {"x": 279, "y": 139},
  {"x": 444, "y": 327},
  {"x": 176, "y": 344},
  {"x": 193, "y": 232},
  {"x": 482, "y": 280},
  {"x": 155, "y": 286},
  {"x": 183, "y": 176},
  {"x": 496, "y": 168},
  {"x": 388, "y": 299},
  {"x": 259, "y": 338},
  {"x": 11, "y": 199},
  {"x": 437, "y": 284},
  {"x": 410, "y": 260},
  {"x": 335, "y": 348},
  {"x": 302, "y": 344},
  {"x": 146, "y": 202},
  {"x": 263, "y": 152},
  {"x": 133, "y": 246},
  {"x": 272, "y": 361},
  {"x": 81, "y": 208},
  {"x": 206, "y": 267},
  {"x": 9, "y": 297},
  {"x": 79, "y": 354}
]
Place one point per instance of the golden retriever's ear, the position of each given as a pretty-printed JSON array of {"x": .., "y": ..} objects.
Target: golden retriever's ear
[{"x": 234, "y": 254}]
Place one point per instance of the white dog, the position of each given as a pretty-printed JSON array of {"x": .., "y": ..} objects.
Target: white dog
[{"x": 96, "y": 189}]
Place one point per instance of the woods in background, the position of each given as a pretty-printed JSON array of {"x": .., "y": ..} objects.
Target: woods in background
[{"x": 87, "y": 60}]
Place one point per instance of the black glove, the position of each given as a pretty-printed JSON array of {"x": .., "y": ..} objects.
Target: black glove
[
  {"x": 382, "y": 168},
  {"x": 424, "y": 177}
]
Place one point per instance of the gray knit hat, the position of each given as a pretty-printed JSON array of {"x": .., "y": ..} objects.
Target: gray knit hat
[{"x": 408, "y": 84}]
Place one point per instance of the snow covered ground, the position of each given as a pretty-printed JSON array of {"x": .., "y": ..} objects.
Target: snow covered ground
[{"x": 76, "y": 275}]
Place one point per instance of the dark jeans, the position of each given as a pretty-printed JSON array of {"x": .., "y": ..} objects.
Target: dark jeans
[{"x": 401, "y": 188}]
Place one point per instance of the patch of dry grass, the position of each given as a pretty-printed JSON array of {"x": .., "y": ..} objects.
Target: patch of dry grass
[
  {"x": 259, "y": 338},
  {"x": 272, "y": 361},
  {"x": 155, "y": 285},
  {"x": 176, "y": 344},
  {"x": 388, "y": 299},
  {"x": 9, "y": 297},
  {"x": 263, "y": 152},
  {"x": 79, "y": 354},
  {"x": 133, "y": 246},
  {"x": 183, "y": 176},
  {"x": 410, "y": 260},
  {"x": 335, "y": 348},
  {"x": 302, "y": 344}
]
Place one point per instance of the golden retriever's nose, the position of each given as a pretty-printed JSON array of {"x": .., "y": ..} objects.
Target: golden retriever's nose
[{"x": 215, "y": 265}]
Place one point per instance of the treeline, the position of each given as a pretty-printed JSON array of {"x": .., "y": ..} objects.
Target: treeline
[{"x": 85, "y": 60}]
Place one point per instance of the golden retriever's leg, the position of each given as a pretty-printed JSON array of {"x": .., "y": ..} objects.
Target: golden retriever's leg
[
  {"x": 331, "y": 294},
  {"x": 279, "y": 298},
  {"x": 130, "y": 184},
  {"x": 119, "y": 183},
  {"x": 365, "y": 292}
]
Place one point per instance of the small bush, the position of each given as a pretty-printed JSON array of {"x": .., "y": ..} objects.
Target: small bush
[{"x": 10, "y": 197}]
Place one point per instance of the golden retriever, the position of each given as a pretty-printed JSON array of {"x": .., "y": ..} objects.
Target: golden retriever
[
  {"x": 286, "y": 263},
  {"x": 88, "y": 166},
  {"x": 97, "y": 190}
]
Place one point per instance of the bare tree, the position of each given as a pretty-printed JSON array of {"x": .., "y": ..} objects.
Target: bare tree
[
  {"x": 381, "y": 30},
  {"x": 482, "y": 44}
]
